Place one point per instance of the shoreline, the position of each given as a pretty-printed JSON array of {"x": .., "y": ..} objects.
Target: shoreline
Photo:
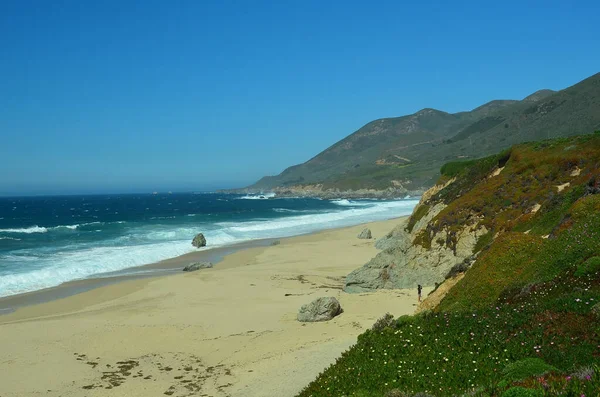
[
  {"x": 230, "y": 330},
  {"x": 167, "y": 267}
]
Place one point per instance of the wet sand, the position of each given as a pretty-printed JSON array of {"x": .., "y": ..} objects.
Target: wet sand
[{"x": 166, "y": 267}]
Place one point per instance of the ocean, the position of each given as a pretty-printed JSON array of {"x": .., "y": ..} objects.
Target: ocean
[{"x": 46, "y": 241}]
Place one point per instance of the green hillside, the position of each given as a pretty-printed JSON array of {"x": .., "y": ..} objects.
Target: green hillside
[
  {"x": 525, "y": 318},
  {"x": 407, "y": 152}
]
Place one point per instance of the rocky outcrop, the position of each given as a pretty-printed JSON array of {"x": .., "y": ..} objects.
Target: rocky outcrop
[
  {"x": 434, "y": 190},
  {"x": 321, "y": 309},
  {"x": 197, "y": 266},
  {"x": 199, "y": 241},
  {"x": 318, "y": 190},
  {"x": 405, "y": 265},
  {"x": 406, "y": 262},
  {"x": 365, "y": 234},
  {"x": 398, "y": 238}
]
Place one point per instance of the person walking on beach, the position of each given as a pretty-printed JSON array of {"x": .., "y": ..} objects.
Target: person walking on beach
[{"x": 419, "y": 289}]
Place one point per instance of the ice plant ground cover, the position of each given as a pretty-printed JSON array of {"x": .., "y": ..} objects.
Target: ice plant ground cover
[
  {"x": 525, "y": 319},
  {"x": 454, "y": 353}
]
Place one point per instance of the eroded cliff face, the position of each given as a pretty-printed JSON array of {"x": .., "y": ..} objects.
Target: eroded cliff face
[{"x": 408, "y": 259}]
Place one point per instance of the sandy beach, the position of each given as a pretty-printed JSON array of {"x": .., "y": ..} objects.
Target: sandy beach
[{"x": 226, "y": 331}]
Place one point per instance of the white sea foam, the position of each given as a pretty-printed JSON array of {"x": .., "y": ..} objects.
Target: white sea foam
[
  {"x": 10, "y": 238},
  {"x": 43, "y": 229},
  {"x": 60, "y": 267},
  {"x": 286, "y": 210},
  {"x": 257, "y": 196},
  {"x": 145, "y": 244},
  {"x": 27, "y": 230},
  {"x": 348, "y": 203},
  {"x": 299, "y": 224}
]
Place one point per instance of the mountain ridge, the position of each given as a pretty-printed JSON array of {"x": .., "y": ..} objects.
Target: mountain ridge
[{"x": 393, "y": 156}]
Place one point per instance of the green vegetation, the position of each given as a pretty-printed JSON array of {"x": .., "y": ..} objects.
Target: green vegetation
[
  {"x": 519, "y": 391},
  {"x": 451, "y": 353},
  {"x": 487, "y": 350},
  {"x": 524, "y": 319},
  {"x": 419, "y": 213},
  {"x": 454, "y": 168},
  {"x": 590, "y": 266},
  {"x": 526, "y": 368},
  {"x": 483, "y": 241}
]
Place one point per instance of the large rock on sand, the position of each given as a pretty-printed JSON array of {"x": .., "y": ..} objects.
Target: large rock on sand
[
  {"x": 321, "y": 309},
  {"x": 365, "y": 234},
  {"x": 199, "y": 241},
  {"x": 197, "y": 266}
]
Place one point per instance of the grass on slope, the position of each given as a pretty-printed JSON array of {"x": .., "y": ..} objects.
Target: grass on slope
[
  {"x": 518, "y": 261},
  {"x": 531, "y": 175},
  {"x": 455, "y": 353},
  {"x": 529, "y": 306},
  {"x": 495, "y": 317}
]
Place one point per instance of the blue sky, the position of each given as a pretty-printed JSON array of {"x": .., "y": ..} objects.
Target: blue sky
[{"x": 123, "y": 96}]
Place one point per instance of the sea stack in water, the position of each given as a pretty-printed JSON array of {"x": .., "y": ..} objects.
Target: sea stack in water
[
  {"x": 321, "y": 309},
  {"x": 199, "y": 241},
  {"x": 365, "y": 234},
  {"x": 197, "y": 266}
]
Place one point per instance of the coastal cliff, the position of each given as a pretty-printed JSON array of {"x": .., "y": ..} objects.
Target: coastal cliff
[
  {"x": 516, "y": 313},
  {"x": 406, "y": 260},
  {"x": 472, "y": 204}
]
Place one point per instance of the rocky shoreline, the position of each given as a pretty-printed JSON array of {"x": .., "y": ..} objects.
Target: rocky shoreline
[{"x": 318, "y": 191}]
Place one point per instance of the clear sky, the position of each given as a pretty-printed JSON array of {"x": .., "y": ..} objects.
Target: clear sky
[{"x": 123, "y": 96}]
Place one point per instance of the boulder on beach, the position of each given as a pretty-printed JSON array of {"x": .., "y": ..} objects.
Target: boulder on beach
[
  {"x": 321, "y": 309},
  {"x": 199, "y": 241},
  {"x": 197, "y": 266},
  {"x": 365, "y": 234}
]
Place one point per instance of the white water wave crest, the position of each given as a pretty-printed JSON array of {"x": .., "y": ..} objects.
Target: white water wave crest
[
  {"x": 43, "y": 229},
  {"x": 257, "y": 196},
  {"x": 27, "y": 230},
  {"x": 34, "y": 269},
  {"x": 349, "y": 203}
]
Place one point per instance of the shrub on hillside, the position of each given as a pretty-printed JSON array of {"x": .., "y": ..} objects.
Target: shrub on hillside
[
  {"x": 483, "y": 241},
  {"x": 584, "y": 373},
  {"x": 396, "y": 393},
  {"x": 590, "y": 266},
  {"x": 522, "y": 392},
  {"x": 526, "y": 368},
  {"x": 386, "y": 321},
  {"x": 418, "y": 214},
  {"x": 404, "y": 321},
  {"x": 457, "y": 269},
  {"x": 514, "y": 293}
]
